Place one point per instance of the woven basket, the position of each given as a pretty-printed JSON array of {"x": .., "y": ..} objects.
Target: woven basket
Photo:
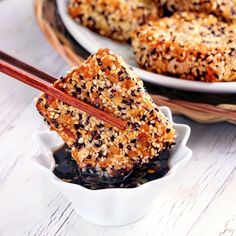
[{"x": 200, "y": 107}]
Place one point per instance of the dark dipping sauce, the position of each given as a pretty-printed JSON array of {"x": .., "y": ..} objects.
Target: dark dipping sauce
[{"x": 67, "y": 169}]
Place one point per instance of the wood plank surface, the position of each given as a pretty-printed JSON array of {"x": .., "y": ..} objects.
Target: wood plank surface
[{"x": 201, "y": 200}]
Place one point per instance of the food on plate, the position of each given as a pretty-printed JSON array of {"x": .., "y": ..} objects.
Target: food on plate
[
  {"x": 100, "y": 149},
  {"x": 191, "y": 46},
  {"x": 224, "y": 9},
  {"x": 116, "y": 18}
]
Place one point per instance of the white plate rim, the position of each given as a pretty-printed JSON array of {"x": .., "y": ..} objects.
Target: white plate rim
[{"x": 166, "y": 81}]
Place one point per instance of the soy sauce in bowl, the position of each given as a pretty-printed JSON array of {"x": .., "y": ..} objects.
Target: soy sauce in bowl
[{"x": 67, "y": 169}]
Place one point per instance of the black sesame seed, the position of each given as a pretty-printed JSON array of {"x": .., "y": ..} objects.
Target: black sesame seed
[
  {"x": 55, "y": 123},
  {"x": 77, "y": 89},
  {"x": 74, "y": 94},
  {"x": 129, "y": 41},
  {"x": 143, "y": 118},
  {"x": 79, "y": 145},
  {"x": 112, "y": 95},
  {"x": 94, "y": 133},
  {"x": 120, "y": 73},
  {"x": 136, "y": 126},
  {"x": 87, "y": 120},
  {"x": 79, "y": 126},
  {"x": 98, "y": 143},
  {"x": 99, "y": 61},
  {"x": 40, "y": 100},
  {"x": 153, "y": 52},
  {"x": 121, "y": 145},
  {"x": 79, "y": 135},
  {"x": 121, "y": 78},
  {"x": 100, "y": 125},
  {"x": 133, "y": 140},
  {"x": 101, "y": 154},
  {"x": 126, "y": 102}
]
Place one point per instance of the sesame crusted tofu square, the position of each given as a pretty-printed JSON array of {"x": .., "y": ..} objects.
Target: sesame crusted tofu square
[
  {"x": 191, "y": 46},
  {"x": 114, "y": 18},
  {"x": 106, "y": 82},
  {"x": 224, "y": 9}
]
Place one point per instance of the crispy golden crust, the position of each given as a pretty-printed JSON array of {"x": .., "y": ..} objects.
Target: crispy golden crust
[
  {"x": 224, "y": 9},
  {"x": 105, "y": 81},
  {"x": 188, "y": 45},
  {"x": 115, "y": 18}
]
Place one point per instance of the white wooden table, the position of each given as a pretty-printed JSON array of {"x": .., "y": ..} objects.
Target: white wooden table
[{"x": 201, "y": 202}]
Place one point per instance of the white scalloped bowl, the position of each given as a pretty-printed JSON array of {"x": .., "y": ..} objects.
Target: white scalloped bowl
[{"x": 114, "y": 206}]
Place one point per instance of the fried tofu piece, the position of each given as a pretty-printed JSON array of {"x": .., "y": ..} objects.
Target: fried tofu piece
[
  {"x": 191, "y": 46},
  {"x": 105, "y": 81},
  {"x": 115, "y": 18},
  {"x": 224, "y": 9}
]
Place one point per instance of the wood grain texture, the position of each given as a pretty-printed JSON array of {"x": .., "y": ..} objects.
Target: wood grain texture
[
  {"x": 201, "y": 200},
  {"x": 225, "y": 225}
]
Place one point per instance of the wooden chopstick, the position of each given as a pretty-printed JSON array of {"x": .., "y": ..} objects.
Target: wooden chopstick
[
  {"x": 26, "y": 67},
  {"x": 43, "y": 82}
]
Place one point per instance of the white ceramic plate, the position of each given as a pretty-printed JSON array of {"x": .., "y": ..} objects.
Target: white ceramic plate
[
  {"x": 112, "y": 206},
  {"x": 92, "y": 42}
]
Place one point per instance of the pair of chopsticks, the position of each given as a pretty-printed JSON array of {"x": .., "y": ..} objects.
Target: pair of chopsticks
[{"x": 43, "y": 82}]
